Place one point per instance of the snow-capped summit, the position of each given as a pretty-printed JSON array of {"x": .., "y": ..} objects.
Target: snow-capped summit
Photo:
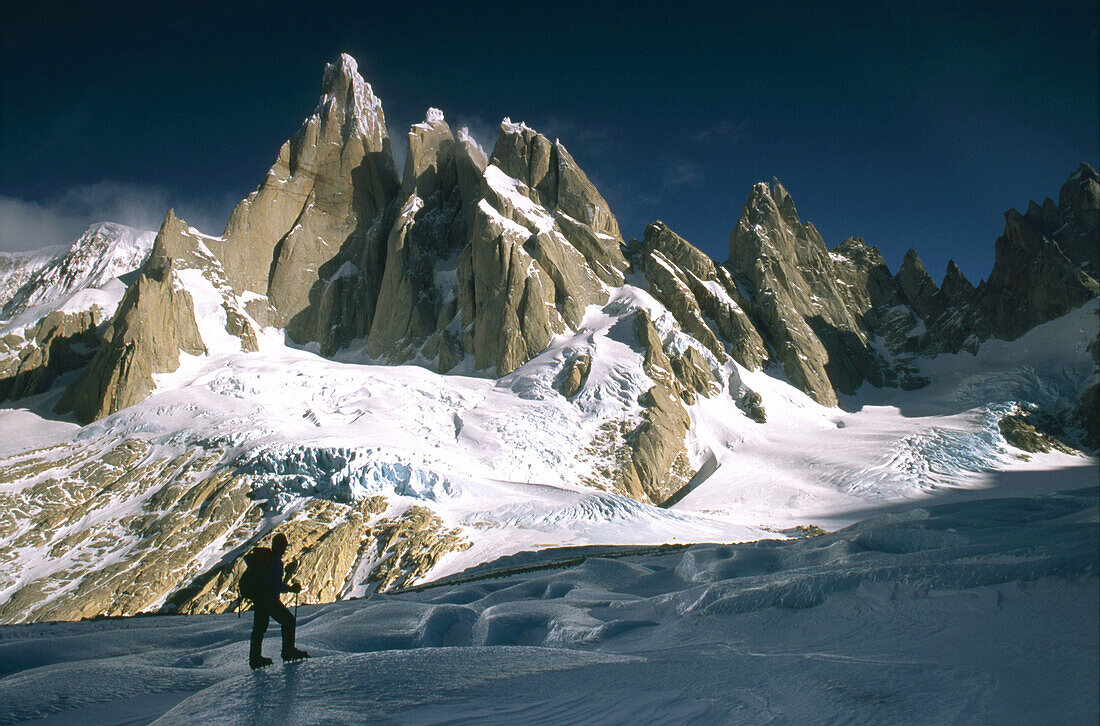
[
  {"x": 17, "y": 267},
  {"x": 344, "y": 92},
  {"x": 53, "y": 322},
  {"x": 105, "y": 251}
]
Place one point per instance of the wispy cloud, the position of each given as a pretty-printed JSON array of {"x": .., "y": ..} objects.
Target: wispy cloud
[
  {"x": 30, "y": 224},
  {"x": 680, "y": 172},
  {"x": 726, "y": 130},
  {"x": 399, "y": 145},
  {"x": 589, "y": 140},
  {"x": 483, "y": 131}
]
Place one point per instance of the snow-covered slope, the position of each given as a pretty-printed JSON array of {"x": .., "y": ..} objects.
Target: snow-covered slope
[
  {"x": 977, "y": 612},
  {"x": 53, "y": 323},
  {"x": 103, "y": 253},
  {"x": 17, "y": 267},
  {"x": 424, "y": 475}
]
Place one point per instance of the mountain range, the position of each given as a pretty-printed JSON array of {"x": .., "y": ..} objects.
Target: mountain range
[{"x": 412, "y": 373}]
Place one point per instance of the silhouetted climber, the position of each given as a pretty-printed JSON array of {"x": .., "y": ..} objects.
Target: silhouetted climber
[{"x": 262, "y": 583}]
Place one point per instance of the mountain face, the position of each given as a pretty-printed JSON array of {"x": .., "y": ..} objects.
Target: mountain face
[
  {"x": 52, "y": 322},
  {"x": 309, "y": 243},
  {"x": 622, "y": 374},
  {"x": 105, "y": 251},
  {"x": 476, "y": 262},
  {"x": 1045, "y": 263},
  {"x": 17, "y": 267}
]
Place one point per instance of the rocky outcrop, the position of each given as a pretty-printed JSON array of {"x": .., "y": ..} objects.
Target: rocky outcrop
[
  {"x": 810, "y": 314},
  {"x": 154, "y": 323},
  {"x": 1074, "y": 222},
  {"x": 822, "y": 310},
  {"x": 1088, "y": 412},
  {"x": 918, "y": 288},
  {"x": 304, "y": 252},
  {"x": 543, "y": 246},
  {"x": 1032, "y": 432},
  {"x": 752, "y": 406},
  {"x": 657, "y": 467},
  {"x": 961, "y": 326},
  {"x": 1032, "y": 281},
  {"x": 312, "y": 237},
  {"x": 575, "y": 373},
  {"x": 327, "y": 542},
  {"x": 183, "y": 506},
  {"x": 130, "y": 528},
  {"x": 554, "y": 181},
  {"x": 699, "y": 294},
  {"x": 59, "y": 343},
  {"x": 410, "y": 545},
  {"x": 881, "y": 308}
]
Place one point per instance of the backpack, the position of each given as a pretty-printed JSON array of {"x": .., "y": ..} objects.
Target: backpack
[{"x": 253, "y": 585}]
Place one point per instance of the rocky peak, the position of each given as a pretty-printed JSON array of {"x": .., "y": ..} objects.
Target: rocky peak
[
  {"x": 859, "y": 253},
  {"x": 1078, "y": 233},
  {"x": 543, "y": 245},
  {"x": 955, "y": 287},
  {"x": 526, "y": 155},
  {"x": 470, "y": 163},
  {"x": 702, "y": 296},
  {"x": 1080, "y": 195},
  {"x": 154, "y": 323},
  {"x": 556, "y": 181},
  {"x": 1042, "y": 262},
  {"x": 674, "y": 248},
  {"x": 472, "y": 148},
  {"x": 345, "y": 94},
  {"x": 430, "y": 154},
  {"x": 784, "y": 202},
  {"x": 431, "y": 227},
  {"x": 811, "y": 303},
  {"x": 310, "y": 241},
  {"x": 918, "y": 287}
]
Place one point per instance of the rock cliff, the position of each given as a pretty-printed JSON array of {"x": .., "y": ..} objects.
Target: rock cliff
[
  {"x": 154, "y": 323},
  {"x": 311, "y": 240}
]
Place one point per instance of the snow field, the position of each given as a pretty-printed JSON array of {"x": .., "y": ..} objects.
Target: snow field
[
  {"x": 511, "y": 461},
  {"x": 931, "y": 615}
]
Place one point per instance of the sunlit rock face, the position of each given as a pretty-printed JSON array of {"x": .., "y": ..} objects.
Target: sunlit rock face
[
  {"x": 812, "y": 303},
  {"x": 154, "y": 323},
  {"x": 701, "y": 294},
  {"x": 311, "y": 240},
  {"x": 543, "y": 246}
]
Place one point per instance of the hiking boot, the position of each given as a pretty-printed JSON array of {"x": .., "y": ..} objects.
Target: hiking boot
[
  {"x": 259, "y": 662},
  {"x": 294, "y": 654}
]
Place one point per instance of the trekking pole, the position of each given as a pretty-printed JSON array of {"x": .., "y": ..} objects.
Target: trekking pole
[{"x": 296, "y": 605}]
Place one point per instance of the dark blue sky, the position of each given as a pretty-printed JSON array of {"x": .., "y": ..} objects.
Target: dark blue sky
[{"x": 904, "y": 123}]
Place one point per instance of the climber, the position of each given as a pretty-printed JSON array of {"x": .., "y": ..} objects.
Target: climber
[{"x": 262, "y": 583}]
